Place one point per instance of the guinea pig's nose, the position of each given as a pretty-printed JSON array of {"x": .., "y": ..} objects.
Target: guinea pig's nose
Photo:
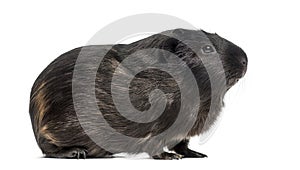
[{"x": 243, "y": 61}]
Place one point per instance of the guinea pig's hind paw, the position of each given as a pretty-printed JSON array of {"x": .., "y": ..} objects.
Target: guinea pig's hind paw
[
  {"x": 76, "y": 153},
  {"x": 167, "y": 156},
  {"x": 81, "y": 153}
]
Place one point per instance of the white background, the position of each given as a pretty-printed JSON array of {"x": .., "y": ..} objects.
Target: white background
[{"x": 260, "y": 123}]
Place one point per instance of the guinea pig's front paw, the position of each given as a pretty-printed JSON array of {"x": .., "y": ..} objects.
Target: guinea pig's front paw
[
  {"x": 192, "y": 154},
  {"x": 167, "y": 156}
]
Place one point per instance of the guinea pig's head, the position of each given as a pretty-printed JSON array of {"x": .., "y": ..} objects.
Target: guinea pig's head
[{"x": 233, "y": 58}]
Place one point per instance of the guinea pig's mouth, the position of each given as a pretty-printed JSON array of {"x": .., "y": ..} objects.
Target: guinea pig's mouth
[
  {"x": 232, "y": 81},
  {"x": 233, "y": 78}
]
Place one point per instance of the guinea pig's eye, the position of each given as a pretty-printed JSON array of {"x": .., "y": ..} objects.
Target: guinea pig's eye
[{"x": 207, "y": 49}]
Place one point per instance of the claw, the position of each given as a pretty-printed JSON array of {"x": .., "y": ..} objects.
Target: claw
[
  {"x": 78, "y": 155},
  {"x": 83, "y": 154}
]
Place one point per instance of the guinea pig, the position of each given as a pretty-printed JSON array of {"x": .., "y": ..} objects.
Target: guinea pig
[{"x": 78, "y": 88}]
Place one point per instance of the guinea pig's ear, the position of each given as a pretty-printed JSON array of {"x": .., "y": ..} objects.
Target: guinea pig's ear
[{"x": 171, "y": 44}]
